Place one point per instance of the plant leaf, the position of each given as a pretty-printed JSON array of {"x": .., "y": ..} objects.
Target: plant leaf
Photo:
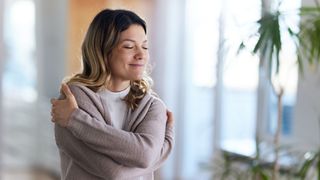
[{"x": 306, "y": 166}]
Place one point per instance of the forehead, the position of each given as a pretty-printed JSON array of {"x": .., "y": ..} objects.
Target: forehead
[{"x": 134, "y": 32}]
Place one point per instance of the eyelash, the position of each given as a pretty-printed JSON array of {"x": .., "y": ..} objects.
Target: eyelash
[{"x": 130, "y": 47}]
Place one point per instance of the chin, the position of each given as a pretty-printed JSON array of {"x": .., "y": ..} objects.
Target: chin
[{"x": 137, "y": 77}]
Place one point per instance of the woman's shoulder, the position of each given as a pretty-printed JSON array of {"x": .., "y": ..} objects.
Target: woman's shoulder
[
  {"x": 87, "y": 99},
  {"x": 76, "y": 88},
  {"x": 81, "y": 91},
  {"x": 157, "y": 102}
]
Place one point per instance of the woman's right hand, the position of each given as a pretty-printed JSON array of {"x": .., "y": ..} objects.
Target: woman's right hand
[
  {"x": 61, "y": 110},
  {"x": 170, "y": 119}
]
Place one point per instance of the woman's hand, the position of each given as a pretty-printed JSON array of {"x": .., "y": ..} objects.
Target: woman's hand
[
  {"x": 61, "y": 110},
  {"x": 170, "y": 120}
]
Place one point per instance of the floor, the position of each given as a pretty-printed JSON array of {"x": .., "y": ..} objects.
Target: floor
[
  {"x": 27, "y": 175},
  {"x": 27, "y": 146}
]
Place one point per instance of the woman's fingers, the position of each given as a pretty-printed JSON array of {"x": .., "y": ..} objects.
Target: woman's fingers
[
  {"x": 53, "y": 101},
  {"x": 54, "y": 106},
  {"x": 61, "y": 109},
  {"x": 52, "y": 116},
  {"x": 70, "y": 99},
  {"x": 66, "y": 90},
  {"x": 170, "y": 119}
]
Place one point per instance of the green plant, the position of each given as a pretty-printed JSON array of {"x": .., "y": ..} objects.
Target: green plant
[
  {"x": 269, "y": 45},
  {"x": 309, "y": 36},
  {"x": 311, "y": 159}
]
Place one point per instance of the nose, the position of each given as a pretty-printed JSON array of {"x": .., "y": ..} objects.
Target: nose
[{"x": 140, "y": 54}]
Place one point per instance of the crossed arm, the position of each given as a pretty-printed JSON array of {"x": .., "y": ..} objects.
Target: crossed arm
[
  {"x": 100, "y": 164},
  {"x": 141, "y": 151}
]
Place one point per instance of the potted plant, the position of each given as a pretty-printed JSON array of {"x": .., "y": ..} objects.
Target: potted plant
[{"x": 268, "y": 46}]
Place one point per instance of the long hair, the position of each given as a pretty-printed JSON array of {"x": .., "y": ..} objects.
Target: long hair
[{"x": 102, "y": 36}]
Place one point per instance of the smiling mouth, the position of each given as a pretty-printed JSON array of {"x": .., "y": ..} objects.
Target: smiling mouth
[{"x": 137, "y": 65}]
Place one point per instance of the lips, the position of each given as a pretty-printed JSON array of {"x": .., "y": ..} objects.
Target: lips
[{"x": 137, "y": 65}]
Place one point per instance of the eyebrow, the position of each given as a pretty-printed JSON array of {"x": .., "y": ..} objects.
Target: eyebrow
[{"x": 131, "y": 40}]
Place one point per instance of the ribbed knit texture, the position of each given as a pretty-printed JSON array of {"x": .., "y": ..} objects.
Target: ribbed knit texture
[{"x": 92, "y": 149}]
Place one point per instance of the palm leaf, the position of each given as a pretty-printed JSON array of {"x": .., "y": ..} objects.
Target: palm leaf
[
  {"x": 306, "y": 166},
  {"x": 309, "y": 36},
  {"x": 269, "y": 43},
  {"x": 318, "y": 166}
]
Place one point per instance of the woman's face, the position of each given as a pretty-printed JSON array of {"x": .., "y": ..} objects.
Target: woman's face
[{"x": 129, "y": 58}]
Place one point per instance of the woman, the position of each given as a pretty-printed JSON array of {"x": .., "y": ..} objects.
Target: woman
[{"x": 110, "y": 125}]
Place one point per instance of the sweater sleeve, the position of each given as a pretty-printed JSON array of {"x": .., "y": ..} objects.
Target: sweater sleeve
[
  {"x": 102, "y": 165},
  {"x": 166, "y": 149},
  {"x": 137, "y": 149}
]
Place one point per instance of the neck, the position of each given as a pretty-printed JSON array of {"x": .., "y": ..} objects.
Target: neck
[{"x": 117, "y": 85}]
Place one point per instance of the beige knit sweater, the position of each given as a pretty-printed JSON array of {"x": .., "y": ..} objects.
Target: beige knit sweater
[{"x": 92, "y": 149}]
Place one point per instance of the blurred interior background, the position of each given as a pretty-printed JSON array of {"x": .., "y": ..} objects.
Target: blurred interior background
[{"x": 218, "y": 98}]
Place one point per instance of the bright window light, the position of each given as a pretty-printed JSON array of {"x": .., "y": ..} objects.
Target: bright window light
[{"x": 19, "y": 79}]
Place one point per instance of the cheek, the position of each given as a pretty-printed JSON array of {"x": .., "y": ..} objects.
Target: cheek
[
  {"x": 115, "y": 66},
  {"x": 147, "y": 57}
]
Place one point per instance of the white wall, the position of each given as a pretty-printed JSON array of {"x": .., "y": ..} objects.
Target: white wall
[
  {"x": 307, "y": 117},
  {"x": 167, "y": 56},
  {"x": 308, "y": 2},
  {"x": 307, "y": 110},
  {"x": 1, "y": 70},
  {"x": 51, "y": 43}
]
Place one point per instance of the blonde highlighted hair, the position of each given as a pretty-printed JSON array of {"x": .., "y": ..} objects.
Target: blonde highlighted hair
[{"x": 102, "y": 36}]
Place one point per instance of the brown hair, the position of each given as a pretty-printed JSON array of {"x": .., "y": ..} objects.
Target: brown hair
[{"x": 102, "y": 36}]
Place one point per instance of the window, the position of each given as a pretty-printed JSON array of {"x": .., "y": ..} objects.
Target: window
[
  {"x": 19, "y": 83},
  {"x": 239, "y": 78},
  {"x": 202, "y": 41},
  {"x": 19, "y": 78}
]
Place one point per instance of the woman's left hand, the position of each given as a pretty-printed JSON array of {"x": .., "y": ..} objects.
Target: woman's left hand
[
  {"x": 61, "y": 110},
  {"x": 170, "y": 119}
]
